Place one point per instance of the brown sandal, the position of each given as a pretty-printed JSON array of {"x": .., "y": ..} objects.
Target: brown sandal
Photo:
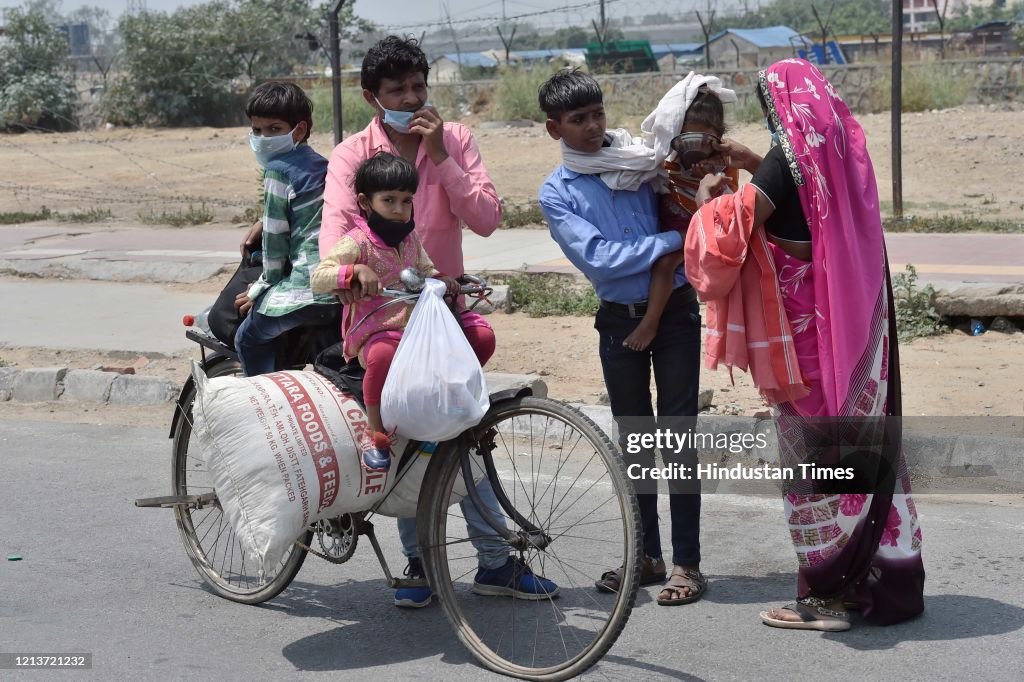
[
  {"x": 680, "y": 579},
  {"x": 651, "y": 571}
]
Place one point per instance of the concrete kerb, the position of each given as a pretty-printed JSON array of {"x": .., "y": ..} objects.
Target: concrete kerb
[{"x": 48, "y": 384}]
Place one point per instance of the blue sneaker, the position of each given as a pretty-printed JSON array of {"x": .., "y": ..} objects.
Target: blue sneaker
[
  {"x": 514, "y": 579},
  {"x": 376, "y": 449},
  {"x": 414, "y": 597}
]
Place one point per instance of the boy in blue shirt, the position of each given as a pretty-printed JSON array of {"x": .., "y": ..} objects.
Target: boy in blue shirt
[{"x": 612, "y": 237}]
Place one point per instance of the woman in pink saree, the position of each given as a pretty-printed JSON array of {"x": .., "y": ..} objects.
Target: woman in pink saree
[{"x": 817, "y": 203}]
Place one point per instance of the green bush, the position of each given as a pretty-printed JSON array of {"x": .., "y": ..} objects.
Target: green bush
[
  {"x": 92, "y": 215},
  {"x": 951, "y": 223},
  {"x": 356, "y": 113},
  {"x": 517, "y": 94},
  {"x": 192, "y": 216},
  {"x": 545, "y": 294},
  {"x": 530, "y": 215},
  {"x": 36, "y": 86},
  {"x": 925, "y": 87},
  {"x": 915, "y": 310},
  {"x": 17, "y": 217}
]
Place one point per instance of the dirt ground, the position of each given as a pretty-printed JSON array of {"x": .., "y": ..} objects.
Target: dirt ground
[
  {"x": 964, "y": 160},
  {"x": 951, "y": 375},
  {"x": 961, "y": 160}
]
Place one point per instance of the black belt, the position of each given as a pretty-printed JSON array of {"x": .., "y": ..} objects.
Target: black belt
[{"x": 681, "y": 296}]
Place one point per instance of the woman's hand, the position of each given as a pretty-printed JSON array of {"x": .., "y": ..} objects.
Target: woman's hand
[
  {"x": 710, "y": 187},
  {"x": 735, "y": 155}
]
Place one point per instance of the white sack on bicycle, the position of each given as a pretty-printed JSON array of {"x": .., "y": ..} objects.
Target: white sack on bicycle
[
  {"x": 282, "y": 452},
  {"x": 435, "y": 388}
]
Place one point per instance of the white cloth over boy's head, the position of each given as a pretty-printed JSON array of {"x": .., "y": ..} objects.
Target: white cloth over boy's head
[{"x": 631, "y": 161}]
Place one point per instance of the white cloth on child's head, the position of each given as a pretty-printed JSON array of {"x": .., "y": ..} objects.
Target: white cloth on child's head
[
  {"x": 666, "y": 121},
  {"x": 631, "y": 161},
  {"x": 626, "y": 164}
]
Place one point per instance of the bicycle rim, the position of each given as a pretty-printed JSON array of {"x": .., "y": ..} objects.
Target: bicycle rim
[
  {"x": 561, "y": 473},
  {"x": 212, "y": 545}
]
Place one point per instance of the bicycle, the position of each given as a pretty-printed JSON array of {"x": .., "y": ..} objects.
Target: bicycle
[{"x": 534, "y": 451}]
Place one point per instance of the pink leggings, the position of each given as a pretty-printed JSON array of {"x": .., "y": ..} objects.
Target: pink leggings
[{"x": 380, "y": 351}]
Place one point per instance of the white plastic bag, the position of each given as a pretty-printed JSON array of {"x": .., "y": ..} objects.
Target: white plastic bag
[
  {"x": 435, "y": 388},
  {"x": 282, "y": 451}
]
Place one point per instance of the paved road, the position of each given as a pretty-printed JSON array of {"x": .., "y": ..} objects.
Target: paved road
[
  {"x": 191, "y": 255},
  {"x": 106, "y": 316},
  {"x": 101, "y": 576}
]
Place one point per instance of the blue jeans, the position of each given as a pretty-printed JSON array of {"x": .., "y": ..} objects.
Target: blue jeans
[
  {"x": 674, "y": 355},
  {"x": 492, "y": 552},
  {"x": 256, "y": 338}
]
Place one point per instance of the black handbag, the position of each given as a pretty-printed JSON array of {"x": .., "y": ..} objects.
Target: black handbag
[{"x": 224, "y": 319}]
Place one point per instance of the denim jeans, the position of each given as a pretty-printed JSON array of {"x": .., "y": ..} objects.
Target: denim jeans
[
  {"x": 491, "y": 550},
  {"x": 256, "y": 338},
  {"x": 674, "y": 355}
]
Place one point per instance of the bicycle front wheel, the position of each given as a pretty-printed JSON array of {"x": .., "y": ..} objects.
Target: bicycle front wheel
[
  {"x": 212, "y": 545},
  {"x": 572, "y": 509}
]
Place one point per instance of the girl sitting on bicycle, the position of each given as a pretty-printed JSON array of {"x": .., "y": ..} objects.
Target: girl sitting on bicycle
[{"x": 370, "y": 257}]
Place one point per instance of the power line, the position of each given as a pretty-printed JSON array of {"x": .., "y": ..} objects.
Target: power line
[{"x": 477, "y": 20}]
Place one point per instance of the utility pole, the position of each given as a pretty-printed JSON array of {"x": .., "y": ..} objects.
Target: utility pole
[
  {"x": 602, "y": 30},
  {"x": 335, "y": 32},
  {"x": 897, "y": 108},
  {"x": 706, "y": 30}
]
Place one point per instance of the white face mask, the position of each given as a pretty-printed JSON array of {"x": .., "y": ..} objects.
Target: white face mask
[{"x": 266, "y": 148}]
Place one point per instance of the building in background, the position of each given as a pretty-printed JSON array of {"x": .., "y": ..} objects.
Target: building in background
[{"x": 744, "y": 48}]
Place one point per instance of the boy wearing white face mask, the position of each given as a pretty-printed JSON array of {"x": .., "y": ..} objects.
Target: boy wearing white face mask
[{"x": 281, "y": 117}]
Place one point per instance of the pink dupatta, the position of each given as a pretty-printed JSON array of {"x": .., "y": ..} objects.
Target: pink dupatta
[{"x": 827, "y": 154}]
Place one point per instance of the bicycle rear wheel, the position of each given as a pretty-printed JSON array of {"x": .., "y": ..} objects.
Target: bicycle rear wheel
[
  {"x": 211, "y": 543},
  {"x": 561, "y": 476}
]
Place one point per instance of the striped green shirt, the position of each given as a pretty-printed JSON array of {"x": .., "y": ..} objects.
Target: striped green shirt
[{"x": 293, "y": 191}]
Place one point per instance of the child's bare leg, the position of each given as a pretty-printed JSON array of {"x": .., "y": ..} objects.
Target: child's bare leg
[
  {"x": 662, "y": 275},
  {"x": 373, "y": 418}
]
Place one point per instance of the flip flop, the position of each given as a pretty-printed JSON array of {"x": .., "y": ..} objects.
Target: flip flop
[
  {"x": 690, "y": 578},
  {"x": 822, "y": 620}
]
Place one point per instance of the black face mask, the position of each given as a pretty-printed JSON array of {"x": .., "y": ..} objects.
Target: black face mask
[{"x": 391, "y": 232}]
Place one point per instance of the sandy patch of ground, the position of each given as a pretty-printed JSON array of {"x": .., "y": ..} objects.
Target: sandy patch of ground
[{"x": 961, "y": 160}]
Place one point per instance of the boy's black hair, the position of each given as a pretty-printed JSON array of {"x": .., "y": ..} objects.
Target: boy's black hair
[
  {"x": 567, "y": 90},
  {"x": 385, "y": 172},
  {"x": 392, "y": 57},
  {"x": 706, "y": 109},
  {"x": 279, "y": 99}
]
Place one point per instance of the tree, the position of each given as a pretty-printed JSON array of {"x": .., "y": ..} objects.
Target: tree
[
  {"x": 851, "y": 17},
  {"x": 194, "y": 67},
  {"x": 36, "y": 89}
]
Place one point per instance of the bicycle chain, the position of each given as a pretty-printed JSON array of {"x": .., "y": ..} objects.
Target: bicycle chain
[{"x": 325, "y": 557}]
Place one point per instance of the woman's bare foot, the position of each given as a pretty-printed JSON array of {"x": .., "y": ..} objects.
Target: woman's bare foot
[{"x": 809, "y": 614}]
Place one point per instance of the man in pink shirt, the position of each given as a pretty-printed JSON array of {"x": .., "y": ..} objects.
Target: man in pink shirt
[
  {"x": 454, "y": 186},
  {"x": 454, "y": 189}
]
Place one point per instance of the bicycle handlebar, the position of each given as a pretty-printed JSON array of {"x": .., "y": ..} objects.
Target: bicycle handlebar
[{"x": 473, "y": 286}]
